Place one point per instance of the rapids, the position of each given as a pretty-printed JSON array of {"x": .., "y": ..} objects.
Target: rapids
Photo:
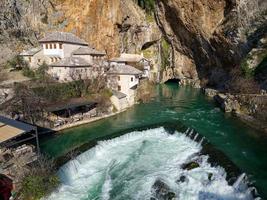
[{"x": 127, "y": 167}]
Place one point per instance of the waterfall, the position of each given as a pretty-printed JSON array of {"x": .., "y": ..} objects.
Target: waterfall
[
  {"x": 239, "y": 181},
  {"x": 129, "y": 166},
  {"x": 195, "y": 137}
]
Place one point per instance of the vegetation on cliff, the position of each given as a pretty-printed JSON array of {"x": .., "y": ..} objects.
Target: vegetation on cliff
[{"x": 147, "y": 5}]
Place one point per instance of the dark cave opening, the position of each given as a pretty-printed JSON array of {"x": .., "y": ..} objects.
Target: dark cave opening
[{"x": 173, "y": 80}]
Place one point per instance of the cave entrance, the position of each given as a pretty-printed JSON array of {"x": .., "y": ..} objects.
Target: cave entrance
[{"x": 173, "y": 80}]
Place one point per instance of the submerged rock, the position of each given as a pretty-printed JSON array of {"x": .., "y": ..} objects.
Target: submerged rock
[
  {"x": 162, "y": 191},
  {"x": 210, "y": 176},
  {"x": 182, "y": 179},
  {"x": 190, "y": 165}
]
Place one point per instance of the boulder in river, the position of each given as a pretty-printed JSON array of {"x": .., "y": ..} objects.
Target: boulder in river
[
  {"x": 182, "y": 179},
  {"x": 210, "y": 92},
  {"x": 190, "y": 165},
  {"x": 228, "y": 103},
  {"x": 161, "y": 191}
]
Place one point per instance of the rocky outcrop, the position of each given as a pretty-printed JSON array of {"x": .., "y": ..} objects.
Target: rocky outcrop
[
  {"x": 228, "y": 103},
  {"x": 250, "y": 108},
  {"x": 208, "y": 37},
  {"x": 20, "y": 23},
  {"x": 210, "y": 92}
]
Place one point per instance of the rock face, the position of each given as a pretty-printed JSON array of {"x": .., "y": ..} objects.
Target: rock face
[
  {"x": 228, "y": 103},
  {"x": 210, "y": 92},
  {"x": 207, "y": 36}
]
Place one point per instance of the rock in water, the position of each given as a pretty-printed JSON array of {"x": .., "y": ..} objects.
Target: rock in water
[
  {"x": 162, "y": 191},
  {"x": 182, "y": 179},
  {"x": 190, "y": 165}
]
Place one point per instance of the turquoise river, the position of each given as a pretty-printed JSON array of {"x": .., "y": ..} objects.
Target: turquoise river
[{"x": 244, "y": 146}]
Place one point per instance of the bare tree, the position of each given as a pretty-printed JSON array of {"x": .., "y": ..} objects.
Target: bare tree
[
  {"x": 92, "y": 81},
  {"x": 27, "y": 103}
]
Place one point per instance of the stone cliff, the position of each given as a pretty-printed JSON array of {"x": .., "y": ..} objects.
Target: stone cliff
[
  {"x": 114, "y": 26},
  {"x": 210, "y": 37},
  {"x": 196, "y": 40}
]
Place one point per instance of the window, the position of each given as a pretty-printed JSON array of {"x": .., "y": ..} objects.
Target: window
[
  {"x": 56, "y": 59},
  {"x": 119, "y": 88},
  {"x": 39, "y": 60},
  {"x": 46, "y": 46},
  {"x": 132, "y": 79},
  {"x": 30, "y": 59},
  {"x": 55, "y": 46},
  {"x": 119, "y": 78},
  {"x": 51, "y": 46},
  {"x": 52, "y": 59},
  {"x": 60, "y": 46}
]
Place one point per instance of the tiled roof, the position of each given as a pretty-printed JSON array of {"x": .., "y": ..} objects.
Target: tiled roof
[
  {"x": 31, "y": 52},
  {"x": 128, "y": 58},
  {"x": 124, "y": 69},
  {"x": 118, "y": 94},
  {"x": 71, "y": 62},
  {"x": 87, "y": 51},
  {"x": 63, "y": 37}
]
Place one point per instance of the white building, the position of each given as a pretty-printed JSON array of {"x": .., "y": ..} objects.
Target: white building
[
  {"x": 34, "y": 57},
  {"x": 64, "y": 52},
  {"x": 136, "y": 60},
  {"x": 71, "y": 69},
  {"x": 123, "y": 80}
]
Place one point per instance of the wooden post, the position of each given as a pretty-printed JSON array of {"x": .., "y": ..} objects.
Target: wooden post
[{"x": 37, "y": 142}]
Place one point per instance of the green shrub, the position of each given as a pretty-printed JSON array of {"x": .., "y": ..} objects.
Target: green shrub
[
  {"x": 41, "y": 72},
  {"x": 36, "y": 186},
  {"x": 40, "y": 181},
  {"x": 247, "y": 72},
  {"x": 58, "y": 91},
  {"x": 147, "y": 5},
  {"x": 17, "y": 63},
  {"x": 26, "y": 71},
  {"x": 165, "y": 53}
]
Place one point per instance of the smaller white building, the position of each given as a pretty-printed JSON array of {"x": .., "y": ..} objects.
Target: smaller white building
[
  {"x": 71, "y": 69},
  {"x": 123, "y": 79},
  {"x": 34, "y": 57},
  {"x": 136, "y": 60},
  {"x": 91, "y": 55}
]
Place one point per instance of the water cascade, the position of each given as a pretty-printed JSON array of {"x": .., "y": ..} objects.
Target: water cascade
[{"x": 150, "y": 164}]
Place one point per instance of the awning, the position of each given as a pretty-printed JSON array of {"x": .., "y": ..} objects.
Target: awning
[
  {"x": 72, "y": 104},
  {"x": 10, "y": 128}
]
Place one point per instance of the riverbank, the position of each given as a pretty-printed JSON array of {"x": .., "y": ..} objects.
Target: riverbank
[
  {"x": 85, "y": 121},
  {"x": 249, "y": 108}
]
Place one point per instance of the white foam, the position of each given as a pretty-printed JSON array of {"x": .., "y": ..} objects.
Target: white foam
[{"x": 126, "y": 168}]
